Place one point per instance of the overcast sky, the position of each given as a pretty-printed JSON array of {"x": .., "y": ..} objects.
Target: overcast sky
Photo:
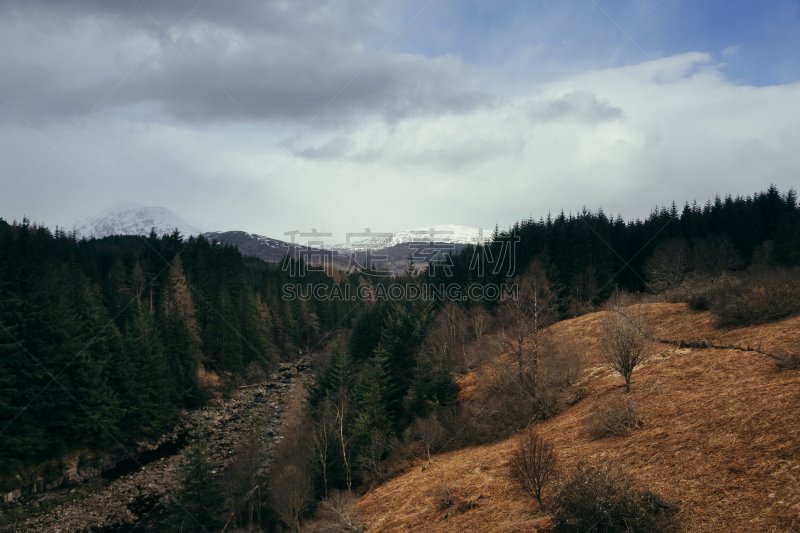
[{"x": 271, "y": 116}]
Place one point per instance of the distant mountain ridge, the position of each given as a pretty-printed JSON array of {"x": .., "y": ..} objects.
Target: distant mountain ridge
[
  {"x": 391, "y": 250},
  {"x": 267, "y": 248},
  {"x": 131, "y": 219},
  {"x": 446, "y": 233}
]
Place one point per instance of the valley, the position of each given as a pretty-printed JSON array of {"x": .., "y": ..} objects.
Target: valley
[{"x": 132, "y": 494}]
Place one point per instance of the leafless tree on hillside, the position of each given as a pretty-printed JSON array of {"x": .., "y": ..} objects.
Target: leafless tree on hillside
[
  {"x": 431, "y": 432},
  {"x": 626, "y": 339},
  {"x": 479, "y": 322},
  {"x": 341, "y": 415},
  {"x": 534, "y": 464},
  {"x": 566, "y": 360},
  {"x": 528, "y": 315},
  {"x": 324, "y": 441},
  {"x": 714, "y": 255},
  {"x": 668, "y": 265},
  {"x": 291, "y": 495}
]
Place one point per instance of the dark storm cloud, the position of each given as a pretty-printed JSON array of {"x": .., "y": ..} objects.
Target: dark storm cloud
[{"x": 281, "y": 61}]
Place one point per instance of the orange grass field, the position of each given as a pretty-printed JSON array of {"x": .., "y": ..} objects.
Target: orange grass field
[{"x": 720, "y": 439}]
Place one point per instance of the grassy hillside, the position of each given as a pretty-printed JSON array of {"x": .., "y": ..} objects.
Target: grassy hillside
[{"x": 720, "y": 438}]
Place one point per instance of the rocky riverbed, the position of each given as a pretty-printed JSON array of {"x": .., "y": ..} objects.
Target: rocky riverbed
[{"x": 133, "y": 492}]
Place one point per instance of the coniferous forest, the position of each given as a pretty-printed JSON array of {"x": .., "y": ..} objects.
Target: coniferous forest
[
  {"x": 102, "y": 340},
  {"x": 590, "y": 254}
]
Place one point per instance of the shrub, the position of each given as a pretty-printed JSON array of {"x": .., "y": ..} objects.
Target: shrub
[
  {"x": 742, "y": 298},
  {"x": 618, "y": 417},
  {"x": 788, "y": 359},
  {"x": 602, "y": 498},
  {"x": 449, "y": 497},
  {"x": 252, "y": 375},
  {"x": 337, "y": 514},
  {"x": 534, "y": 465},
  {"x": 761, "y": 297}
]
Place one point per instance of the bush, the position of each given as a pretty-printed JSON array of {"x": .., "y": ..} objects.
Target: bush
[
  {"x": 449, "y": 497},
  {"x": 602, "y": 498},
  {"x": 337, "y": 514},
  {"x": 534, "y": 465},
  {"x": 761, "y": 297},
  {"x": 743, "y": 298},
  {"x": 788, "y": 359},
  {"x": 618, "y": 417}
]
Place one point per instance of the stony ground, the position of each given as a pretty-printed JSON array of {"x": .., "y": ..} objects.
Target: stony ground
[{"x": 100, "y": 505}]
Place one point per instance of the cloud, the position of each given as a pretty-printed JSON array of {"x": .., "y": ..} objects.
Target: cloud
[
  {"x": 334, "y": 149},
  {"x": 580, "y": 105},
  {"x": 285, "y": 62},
  {"x": 731, "y": 51}
]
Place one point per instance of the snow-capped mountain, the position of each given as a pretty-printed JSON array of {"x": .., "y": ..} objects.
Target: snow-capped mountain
[
  {"x": 131, "y": 219},
  {"x": 447, "y": 233}
]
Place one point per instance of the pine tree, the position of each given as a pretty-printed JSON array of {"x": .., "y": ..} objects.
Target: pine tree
[
  {"x": 196, "y": 503},
  {"x": 145, "y": 379},
  {"x": 375, "y": 396}
]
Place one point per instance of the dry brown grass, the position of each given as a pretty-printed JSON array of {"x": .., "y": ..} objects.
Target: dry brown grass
[{"x": 720, "y": 440}]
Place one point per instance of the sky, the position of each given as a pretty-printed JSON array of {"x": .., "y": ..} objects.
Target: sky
[{"x": 273, "y": 116}]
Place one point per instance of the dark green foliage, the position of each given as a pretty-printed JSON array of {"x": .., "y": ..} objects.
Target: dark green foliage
[
  {"x": 382, "y": 382},
  {"x": 589, "y": 254},
  {"x": 197, "y": 502},
  {"x": 433, "y": 389},
  {"x": 101, "y": 340},
  {"x": 602, "y": 498},
  {"x": 337, "y": 378},
  {"x": 376, "y": 395},
  {"x": 145, "y": 378}
]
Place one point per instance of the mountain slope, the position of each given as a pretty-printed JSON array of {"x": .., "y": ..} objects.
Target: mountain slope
[
  {"x": 720, "y": 438},
  {"x": 267, "y": 248},
  {"x": 447, "y": 233},
  {"x": 131, "y": 219}
]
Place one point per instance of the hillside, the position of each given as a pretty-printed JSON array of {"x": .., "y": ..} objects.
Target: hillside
[
  {"x": 128, "y": 218},
  {"x": 719, "y": 438}
]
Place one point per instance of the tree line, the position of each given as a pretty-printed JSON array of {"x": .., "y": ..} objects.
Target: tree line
[
  {"x": 589, "y": 255},
  {"x": 104, "y": 339}
]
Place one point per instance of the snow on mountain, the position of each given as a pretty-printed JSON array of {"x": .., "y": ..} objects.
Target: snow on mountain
[
  {"x": 447, "y": 233},
  {"x": 131, "y": 219}
]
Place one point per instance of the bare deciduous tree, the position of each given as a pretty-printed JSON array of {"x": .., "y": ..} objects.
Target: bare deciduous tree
[
  {"x": 529, "y": 314},
  {"x": 431, "y": 432},
  {"x": 371, "y": 456},
  {"x": 668, "y": 265},
  {"x": 344, "y": 440},
  {"x": 324, "y": 440},
  {"x": 534, "y": 464},
  {"x": 291, "y": 495},
  {"x": 626, "y": 340},
  {"x": 479, "y": 322},
  {"x": 337, "y": 514},
  {"x": 715, "y": 254}
]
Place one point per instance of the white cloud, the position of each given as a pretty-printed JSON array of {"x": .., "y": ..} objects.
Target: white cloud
[
  {"x": 731, "y": 51},
  {"x": 622, "y": 138}
]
